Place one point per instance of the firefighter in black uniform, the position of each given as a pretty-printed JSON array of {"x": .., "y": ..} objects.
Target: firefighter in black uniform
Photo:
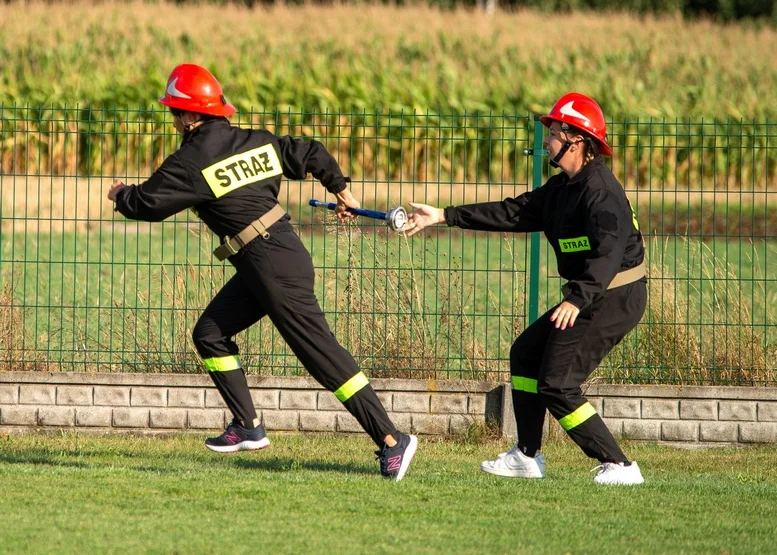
[
  {"x": 230, "y": 177},
  {"x": 588, "y": 220}
]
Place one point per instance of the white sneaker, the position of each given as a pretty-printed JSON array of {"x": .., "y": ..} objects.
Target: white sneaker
[
  {"x": 515, "y": 464},
  {"x": 615, "y": 474}
]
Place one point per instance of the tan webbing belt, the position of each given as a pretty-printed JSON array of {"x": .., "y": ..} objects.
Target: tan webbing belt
[
  {"x": 257, "y": 228},
  {"x": 621, "y": 278}
]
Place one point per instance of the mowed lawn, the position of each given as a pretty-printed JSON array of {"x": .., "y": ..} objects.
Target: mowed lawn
[{"x": 76, "y": 493}]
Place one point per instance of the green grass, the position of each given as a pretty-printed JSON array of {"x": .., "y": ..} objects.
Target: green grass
[{"x": 322, "y": 494}]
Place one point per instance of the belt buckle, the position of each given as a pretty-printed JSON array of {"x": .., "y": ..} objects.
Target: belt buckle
[{"x": 228, "y": 245}]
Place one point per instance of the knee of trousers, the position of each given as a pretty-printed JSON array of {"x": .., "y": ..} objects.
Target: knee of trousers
[
  {"x": 520, "y": 365},
  {"x": 551, "y": 393},
  {"x": 525, "y": 360},
  {"x": 205, "y": 337}
]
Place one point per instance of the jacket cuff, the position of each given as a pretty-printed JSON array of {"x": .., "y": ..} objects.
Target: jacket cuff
[
  {"x": 576, "y": 300},
  {"x": 118, "y": 200},
  {"x": 334, "y": 189},
  {"x": 450, "y": 216}
]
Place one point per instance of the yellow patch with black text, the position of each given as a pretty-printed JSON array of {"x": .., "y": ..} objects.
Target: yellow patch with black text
[
  {"x": 242, "y": 169},
  {"x": 575, "y": 244}
]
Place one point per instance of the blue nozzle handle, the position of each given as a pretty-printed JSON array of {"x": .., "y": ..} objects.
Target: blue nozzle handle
[{"x": 358, "y": 211}]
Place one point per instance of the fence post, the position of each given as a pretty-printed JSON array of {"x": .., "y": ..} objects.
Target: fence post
[{"x": 537, "y": 153}]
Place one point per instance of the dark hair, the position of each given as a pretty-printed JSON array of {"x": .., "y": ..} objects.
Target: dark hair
[
  {"x": 592, "y": 146},
  {"x": 177, "y": 112}
]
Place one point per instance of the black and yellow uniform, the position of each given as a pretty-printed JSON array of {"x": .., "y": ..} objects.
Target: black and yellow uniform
[
  {"x": 591, "y": 226},
  {"x": 230, "y": 177}
]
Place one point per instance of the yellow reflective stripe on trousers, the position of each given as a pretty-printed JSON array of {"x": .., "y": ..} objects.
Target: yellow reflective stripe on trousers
[
  {"x": 524, "y": 384},
  {"x": 577, "y": 417},
  {"x": 349, "y": 388},
  {"x": 222, "y": 364}
]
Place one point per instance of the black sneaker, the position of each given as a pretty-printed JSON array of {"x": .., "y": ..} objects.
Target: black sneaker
[
  {"x": 394, "y": 461},
  {"x": 237, "y": 438}
]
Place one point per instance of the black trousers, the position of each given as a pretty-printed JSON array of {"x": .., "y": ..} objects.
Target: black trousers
[
  {"x": 275, "y": 279},
  {"x": 549, "y": 365}
]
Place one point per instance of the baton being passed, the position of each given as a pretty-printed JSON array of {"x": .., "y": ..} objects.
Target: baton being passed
[{"x": 396, "y": 218}]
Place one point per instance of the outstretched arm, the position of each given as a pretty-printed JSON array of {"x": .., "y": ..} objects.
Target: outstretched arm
[
  {"x": 168, "y": 191},
  {"x": 520, "y": 214}
]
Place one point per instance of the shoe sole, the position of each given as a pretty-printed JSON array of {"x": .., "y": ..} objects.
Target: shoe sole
[
  {"x": 509, "y": 474},
  {"x": 242, "y": 446},
  {"x": 620, "y": 483},
  {"x": 408, "y": 458}
]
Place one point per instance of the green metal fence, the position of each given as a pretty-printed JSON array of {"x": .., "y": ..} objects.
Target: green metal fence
[{"x": 83, "y": 289}]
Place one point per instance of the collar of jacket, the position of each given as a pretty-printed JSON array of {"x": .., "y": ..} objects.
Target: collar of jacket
[
  {"x": 204, "y": 127},
  {"x": 586, "y": 171}
]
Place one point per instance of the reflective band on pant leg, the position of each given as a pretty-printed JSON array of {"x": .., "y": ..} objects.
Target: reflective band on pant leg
[
  {"x": 349, "y": 388},
  {"x": 222, "y": 364},
  {"x": 524, "y": 384},
  {"x": 577, "y": 417}
]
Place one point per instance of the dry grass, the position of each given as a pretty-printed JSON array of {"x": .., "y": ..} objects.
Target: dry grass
[
  {"x": 16, "y": 339},
  {"x": 710, "y": 341},
  {"x": 388, "y": 323},
  {"x": 528, "y": 31},
  {"x": 54, "y": 204}
]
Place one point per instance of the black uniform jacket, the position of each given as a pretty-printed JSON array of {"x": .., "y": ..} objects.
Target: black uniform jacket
[
  {"x": 587, "y": 219},
  {"x": 229, "y": 176}
]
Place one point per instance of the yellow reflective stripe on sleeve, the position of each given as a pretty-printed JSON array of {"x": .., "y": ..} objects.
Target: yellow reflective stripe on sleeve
[
  {"x": 349, "y": 388},
  {"x": 575, "y": 244},
  {"x": 222, "y": 364},
  {"x": 579, "y": 416},
  {"x": 524, "y": 384},
  {"x": 633, "y": 216},
  {"x": 242, "y": 169}
]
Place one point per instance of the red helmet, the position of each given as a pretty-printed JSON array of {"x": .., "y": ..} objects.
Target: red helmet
[
  {"x": 193, "y": 88},
  {"x": 584, "y": 113}
]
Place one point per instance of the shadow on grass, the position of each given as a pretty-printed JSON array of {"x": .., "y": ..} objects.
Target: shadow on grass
[
  {"x": 91, "y": 460},
  {"x": 287, "y": 464},
  {"x": 42, "y": 458}
]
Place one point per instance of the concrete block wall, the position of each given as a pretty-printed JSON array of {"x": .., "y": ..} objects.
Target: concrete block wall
[
  {"x": 170, "y": 402},
  {"x": 173, "y": 402},
  {"x": 689, "y": 413}
]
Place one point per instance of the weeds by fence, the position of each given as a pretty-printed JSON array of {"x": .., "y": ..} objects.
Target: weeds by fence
[{"x": 83, "y": 290}]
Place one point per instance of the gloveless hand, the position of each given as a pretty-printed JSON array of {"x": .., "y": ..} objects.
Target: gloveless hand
[
  {"x": 565, "y": 315},
  {"x": 117, "y": 186},
  {"x": 345, "y": 200},
  {"x": 424, "y": 215}
]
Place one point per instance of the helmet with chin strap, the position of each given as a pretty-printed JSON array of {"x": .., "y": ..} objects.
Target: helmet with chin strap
[
  {"x": 582, "y": 112},
  {"x": 194, "y": 89}
]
